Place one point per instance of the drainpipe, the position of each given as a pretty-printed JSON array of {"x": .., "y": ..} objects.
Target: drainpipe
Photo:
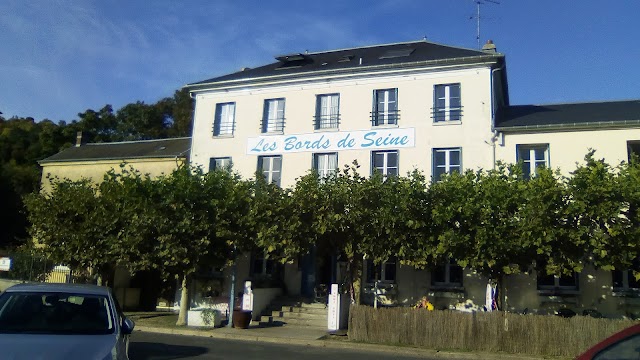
[
  {"x": 232, "y": 291},
  {"x": 494, "y": 136}
]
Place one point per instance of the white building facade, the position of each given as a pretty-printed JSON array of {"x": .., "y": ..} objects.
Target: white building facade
[{"x": 396, "y": 108}]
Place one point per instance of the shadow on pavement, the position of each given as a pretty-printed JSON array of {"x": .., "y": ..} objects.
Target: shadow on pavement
[{"x": 159, "y": 351}]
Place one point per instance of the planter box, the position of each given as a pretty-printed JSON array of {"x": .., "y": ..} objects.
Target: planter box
[{"x": 194, "y": 318}]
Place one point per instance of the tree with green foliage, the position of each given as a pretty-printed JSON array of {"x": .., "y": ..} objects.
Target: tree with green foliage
[
  {"x": 69, "y": 224},
  {"x": 603, "y": 210}
]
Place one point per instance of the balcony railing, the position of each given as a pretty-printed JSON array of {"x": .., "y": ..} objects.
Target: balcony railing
[
  {"x": 390, "y": 117},
  {"x": 223, "y": 129},
  {"x": 272, "y": 125},
  {"x": 326, "y": 121},
  {"x": 446, "y": 114}
]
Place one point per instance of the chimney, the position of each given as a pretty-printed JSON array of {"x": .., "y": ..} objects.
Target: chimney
[
  {"x": 489, "y": 47},
  {"x": 79, "y": 138}
]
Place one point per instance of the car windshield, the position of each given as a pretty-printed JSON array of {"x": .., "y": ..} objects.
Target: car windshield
[{"x": 54, "y": 313}]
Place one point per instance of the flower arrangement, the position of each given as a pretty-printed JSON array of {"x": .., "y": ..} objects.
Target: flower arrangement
[{"x": 424, "y": 304}]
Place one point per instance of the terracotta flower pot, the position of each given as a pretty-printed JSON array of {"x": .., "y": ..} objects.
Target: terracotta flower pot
[{"x": 241, "y": 319}]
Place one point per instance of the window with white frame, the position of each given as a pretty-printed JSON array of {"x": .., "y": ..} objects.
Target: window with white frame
[
  {"x": 446, "y": 161},
  {"x": 557, "y": 282},
  {"x": 325, "y": 164},
  {"x": 273, "y": 116},
  {"x": 447, "y": 105},
  {"x": 633, "y": 150},
  {"x": 385, "y": 107},
  {"x": 327, "y": 111},
  {"x": 448, "y": 274},
  {"x": 624, "y": 280},
  {"x": 261, "y": 265},
  {"x": 386, "y": 162},
  {"x": 532, "y": 157},
  {"x": 271, "y": 168},
  {"x": 220, "y": 163},
  {"x": 224, "y": 121},
  {"x": 385, "y": 271}
]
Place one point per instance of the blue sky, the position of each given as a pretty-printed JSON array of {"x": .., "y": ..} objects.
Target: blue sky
[{"x": 62, "y": 57}]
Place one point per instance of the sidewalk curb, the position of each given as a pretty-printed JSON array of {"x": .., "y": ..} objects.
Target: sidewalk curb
[{"x": 214, "y": 333}]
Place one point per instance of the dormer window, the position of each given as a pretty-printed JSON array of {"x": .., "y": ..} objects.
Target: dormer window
[
  {"x": 293, "y": 60},
  {"x": 396, "y": 53}
]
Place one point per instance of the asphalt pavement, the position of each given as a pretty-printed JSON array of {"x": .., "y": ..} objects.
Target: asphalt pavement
[{"x": 295, "y": 337}]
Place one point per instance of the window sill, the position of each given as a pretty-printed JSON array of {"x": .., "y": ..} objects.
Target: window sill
[
  {"x": 326, "y": 130},
  {"x": 446, "y": 123},
  {"x": 224, "y": 136},
  {"x": 447, "y": 292},
  {"x": 626, "y": 293},
  {"x": 384, "y": 126},
  {"x": 558, "y": 292},
  {"x": 558, "y": 296},
  {"x": 383, "y": 287},
  {"x": 270, "y": 133}
]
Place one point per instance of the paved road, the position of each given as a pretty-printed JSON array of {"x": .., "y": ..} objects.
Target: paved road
[{"x": 152, "y": 346}]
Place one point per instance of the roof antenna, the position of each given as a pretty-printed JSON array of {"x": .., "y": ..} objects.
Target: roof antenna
[{"x": 477, "y": 16}]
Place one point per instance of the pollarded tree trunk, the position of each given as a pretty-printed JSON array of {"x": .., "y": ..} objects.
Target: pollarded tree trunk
[
  {"x": 184, "y": 302},
  {"x": 356, "y": 279}
]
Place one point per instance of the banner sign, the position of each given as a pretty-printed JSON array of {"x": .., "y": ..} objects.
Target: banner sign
[
  {"x": 5, "y": 264},
  {"x": 332, "y": 141}
]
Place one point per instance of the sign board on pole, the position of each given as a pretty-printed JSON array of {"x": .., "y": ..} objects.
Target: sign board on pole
[
  {"x": 5, "y": 264},
  {"x": 247, "y": 297},
  {"x": 333, "y": 316}
]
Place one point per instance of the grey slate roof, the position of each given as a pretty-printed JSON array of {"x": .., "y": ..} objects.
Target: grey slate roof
[
  {"x": 348, "y": 60},
  {"x": 569, "y": 116},
  {"x": 144, "y": 149}
]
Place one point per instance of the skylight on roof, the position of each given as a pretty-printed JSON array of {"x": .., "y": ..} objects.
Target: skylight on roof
[
  {"x": 346, "y": 58},
  {"x": 390, "y": 54}
]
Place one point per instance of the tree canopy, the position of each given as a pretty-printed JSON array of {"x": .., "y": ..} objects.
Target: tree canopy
[{"x": 24, "y": 141}]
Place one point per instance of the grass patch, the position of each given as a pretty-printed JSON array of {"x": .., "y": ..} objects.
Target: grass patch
[{"x": 155, "y": 319}]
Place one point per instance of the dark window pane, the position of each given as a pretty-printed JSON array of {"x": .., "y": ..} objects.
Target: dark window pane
[
  {"x": 438, "y": 275},
  {"x": 392, "y": 159},
  {"x": 568, "y": 280},
  {"x": 276, "y": 178},
  {"x": 455, "y": 274},
  {"x": 454, "y": 91},
  {"x": 390, "y": 271},
  {"x": 277, "y": 163},
  {"x": 539, "y": 153},
  {"x": 440, "y": 158},
  {"x": 526, "y": 169},
  {"x": 546, "y": 280},
  {"x": 378, "y": 160},
  {"x": 437, "y": 173},
  {"x": 392, "y": 95},
  {"x": 454, "y": 157},
  {"x": 439, "y": 91},
  {"x": 617, "y": 278}
]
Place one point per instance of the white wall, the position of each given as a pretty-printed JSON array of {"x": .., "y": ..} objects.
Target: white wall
[
  {"x": 567, "y": 148},
  {"x": 415, "y": 102}
]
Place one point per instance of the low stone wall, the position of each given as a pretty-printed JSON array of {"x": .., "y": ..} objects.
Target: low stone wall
[{"x": 262, "y": 298}]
